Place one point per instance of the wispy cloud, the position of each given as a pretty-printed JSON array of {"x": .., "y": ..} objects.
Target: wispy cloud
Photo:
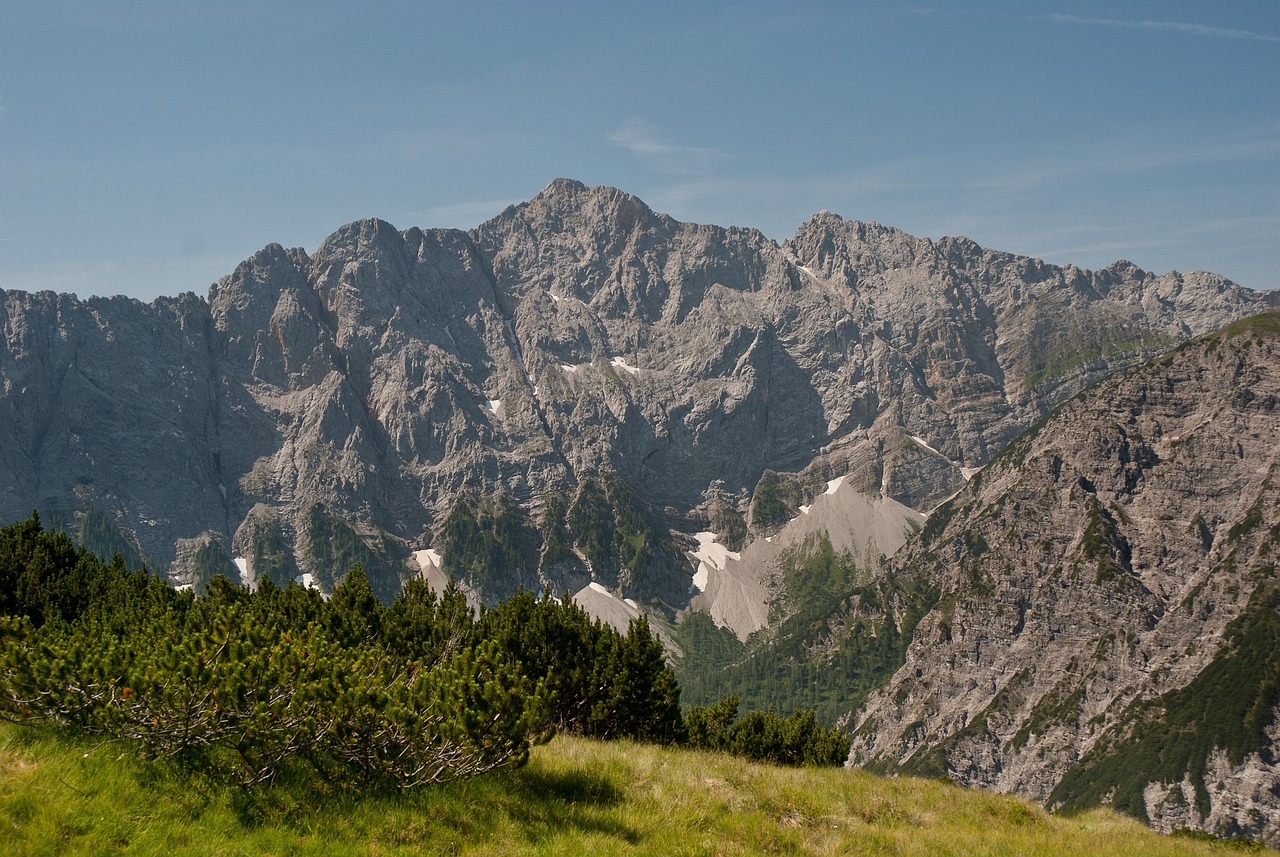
[
  {"x": 1173, "y": 26},
  {"x": 1097, "y": 242},
  {"x": 642, "y": 140},
  {"x": 894, "y": 176}
]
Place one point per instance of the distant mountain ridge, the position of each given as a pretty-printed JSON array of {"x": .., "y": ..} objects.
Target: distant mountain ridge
[{"x": 333, "y": 407}]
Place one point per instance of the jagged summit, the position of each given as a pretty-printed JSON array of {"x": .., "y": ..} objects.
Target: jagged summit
[
  {"x": 370, "y": 233},
  {"x": 569, "y": 204},
  {"x": 566, "y": 186},
  {"x": 568, "y": 217}
]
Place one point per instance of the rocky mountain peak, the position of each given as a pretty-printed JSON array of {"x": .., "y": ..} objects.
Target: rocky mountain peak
[
  {"x": 388, "y": 372},
  {"x": 567, "y": 206},
  {"x": 850, "y": 250},
  {"x": 361, "y": 237},
  {"x": 565, "y": 186}
]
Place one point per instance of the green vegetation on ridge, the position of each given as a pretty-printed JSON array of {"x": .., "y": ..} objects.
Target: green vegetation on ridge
[
  {"x": 333, "y": 548},
  {"x": 1057, "y": 361},
  {"x": 492, "y": 545},
  {"x": 1229, "y": 706},
  {"x": 486, "y": 542}
]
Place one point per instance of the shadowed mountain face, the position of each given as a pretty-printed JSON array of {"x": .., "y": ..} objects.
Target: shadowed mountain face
[
  {"x": 323, "y": 409},
  {"x": 1106, "y": 623}
]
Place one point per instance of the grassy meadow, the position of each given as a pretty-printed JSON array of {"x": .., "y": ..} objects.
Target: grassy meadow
[{"x": 575, "y": 796}]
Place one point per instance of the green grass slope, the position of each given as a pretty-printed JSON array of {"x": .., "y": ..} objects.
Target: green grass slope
[{"x": 576, "y": 796}]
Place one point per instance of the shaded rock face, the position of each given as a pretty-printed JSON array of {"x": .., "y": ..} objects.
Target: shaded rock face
[
  {"x": 1104, "y": 576},
  {"x": 387, "y": 373}
]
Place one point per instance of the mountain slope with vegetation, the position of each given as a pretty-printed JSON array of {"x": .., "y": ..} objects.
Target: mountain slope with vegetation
[{"x": 1106, "y": 622}]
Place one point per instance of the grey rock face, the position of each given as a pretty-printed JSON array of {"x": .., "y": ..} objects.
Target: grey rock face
[
  {"x": 1098, "y": 564},
  {"x": 381, "y": 376}
]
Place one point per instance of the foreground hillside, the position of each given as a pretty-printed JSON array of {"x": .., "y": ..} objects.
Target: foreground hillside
[{"x": 575, "y": 797}]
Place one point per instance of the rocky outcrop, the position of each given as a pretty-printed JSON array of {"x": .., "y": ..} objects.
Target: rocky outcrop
[
  {"x": 1107, "y": 618},
  {"x": 350, "y": 396}
]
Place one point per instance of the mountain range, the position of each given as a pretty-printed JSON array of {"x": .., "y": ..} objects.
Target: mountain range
[{"x": 583, "y": 394}]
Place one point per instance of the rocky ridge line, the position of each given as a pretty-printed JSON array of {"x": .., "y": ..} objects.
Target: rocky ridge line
[{"x": 333, "y": 406}]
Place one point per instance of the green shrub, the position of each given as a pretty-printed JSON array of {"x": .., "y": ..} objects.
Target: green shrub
[
  {"x": 765, "y": 736},
  {"x": 604, "y": 684},
  {"x": 769, "y": 507}
]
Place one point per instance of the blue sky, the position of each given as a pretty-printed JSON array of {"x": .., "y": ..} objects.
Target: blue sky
[{"x": 147, "y": 147}]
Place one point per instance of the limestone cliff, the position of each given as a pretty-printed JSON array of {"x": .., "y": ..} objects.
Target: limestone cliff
[{"x": 327, "y": 408}]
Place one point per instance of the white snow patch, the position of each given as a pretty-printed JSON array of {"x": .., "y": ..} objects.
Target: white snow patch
[
  {"x": 243, "y": 565},
  {"x": 555, "y": 297},
  {"x": 185, "y": 587},
  {"x": 600, "y": 588},
  {"x": 711, "y": 557},
  {"x": 537, "y": 391},
  {"x": 804, "y": 510},
  {"x": 630, "y": 602},
  {"x": 493, "y": 405},
  {"x": 808, "y": 271},
  {"x": 922, "y": 442},
  {"x": 427, "y": 559},
  {"x": 570, "y": 369},
  {"x": 834, "y": 485},
  {"x": 307, "y": 580},
  {"x": 620, "y": 363},
  {"x": 969, "y": 472},
  {"x": 769, "y": 539},
  {"x": 710, "y": 551},
  {"x": 223, "y": 489}
]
